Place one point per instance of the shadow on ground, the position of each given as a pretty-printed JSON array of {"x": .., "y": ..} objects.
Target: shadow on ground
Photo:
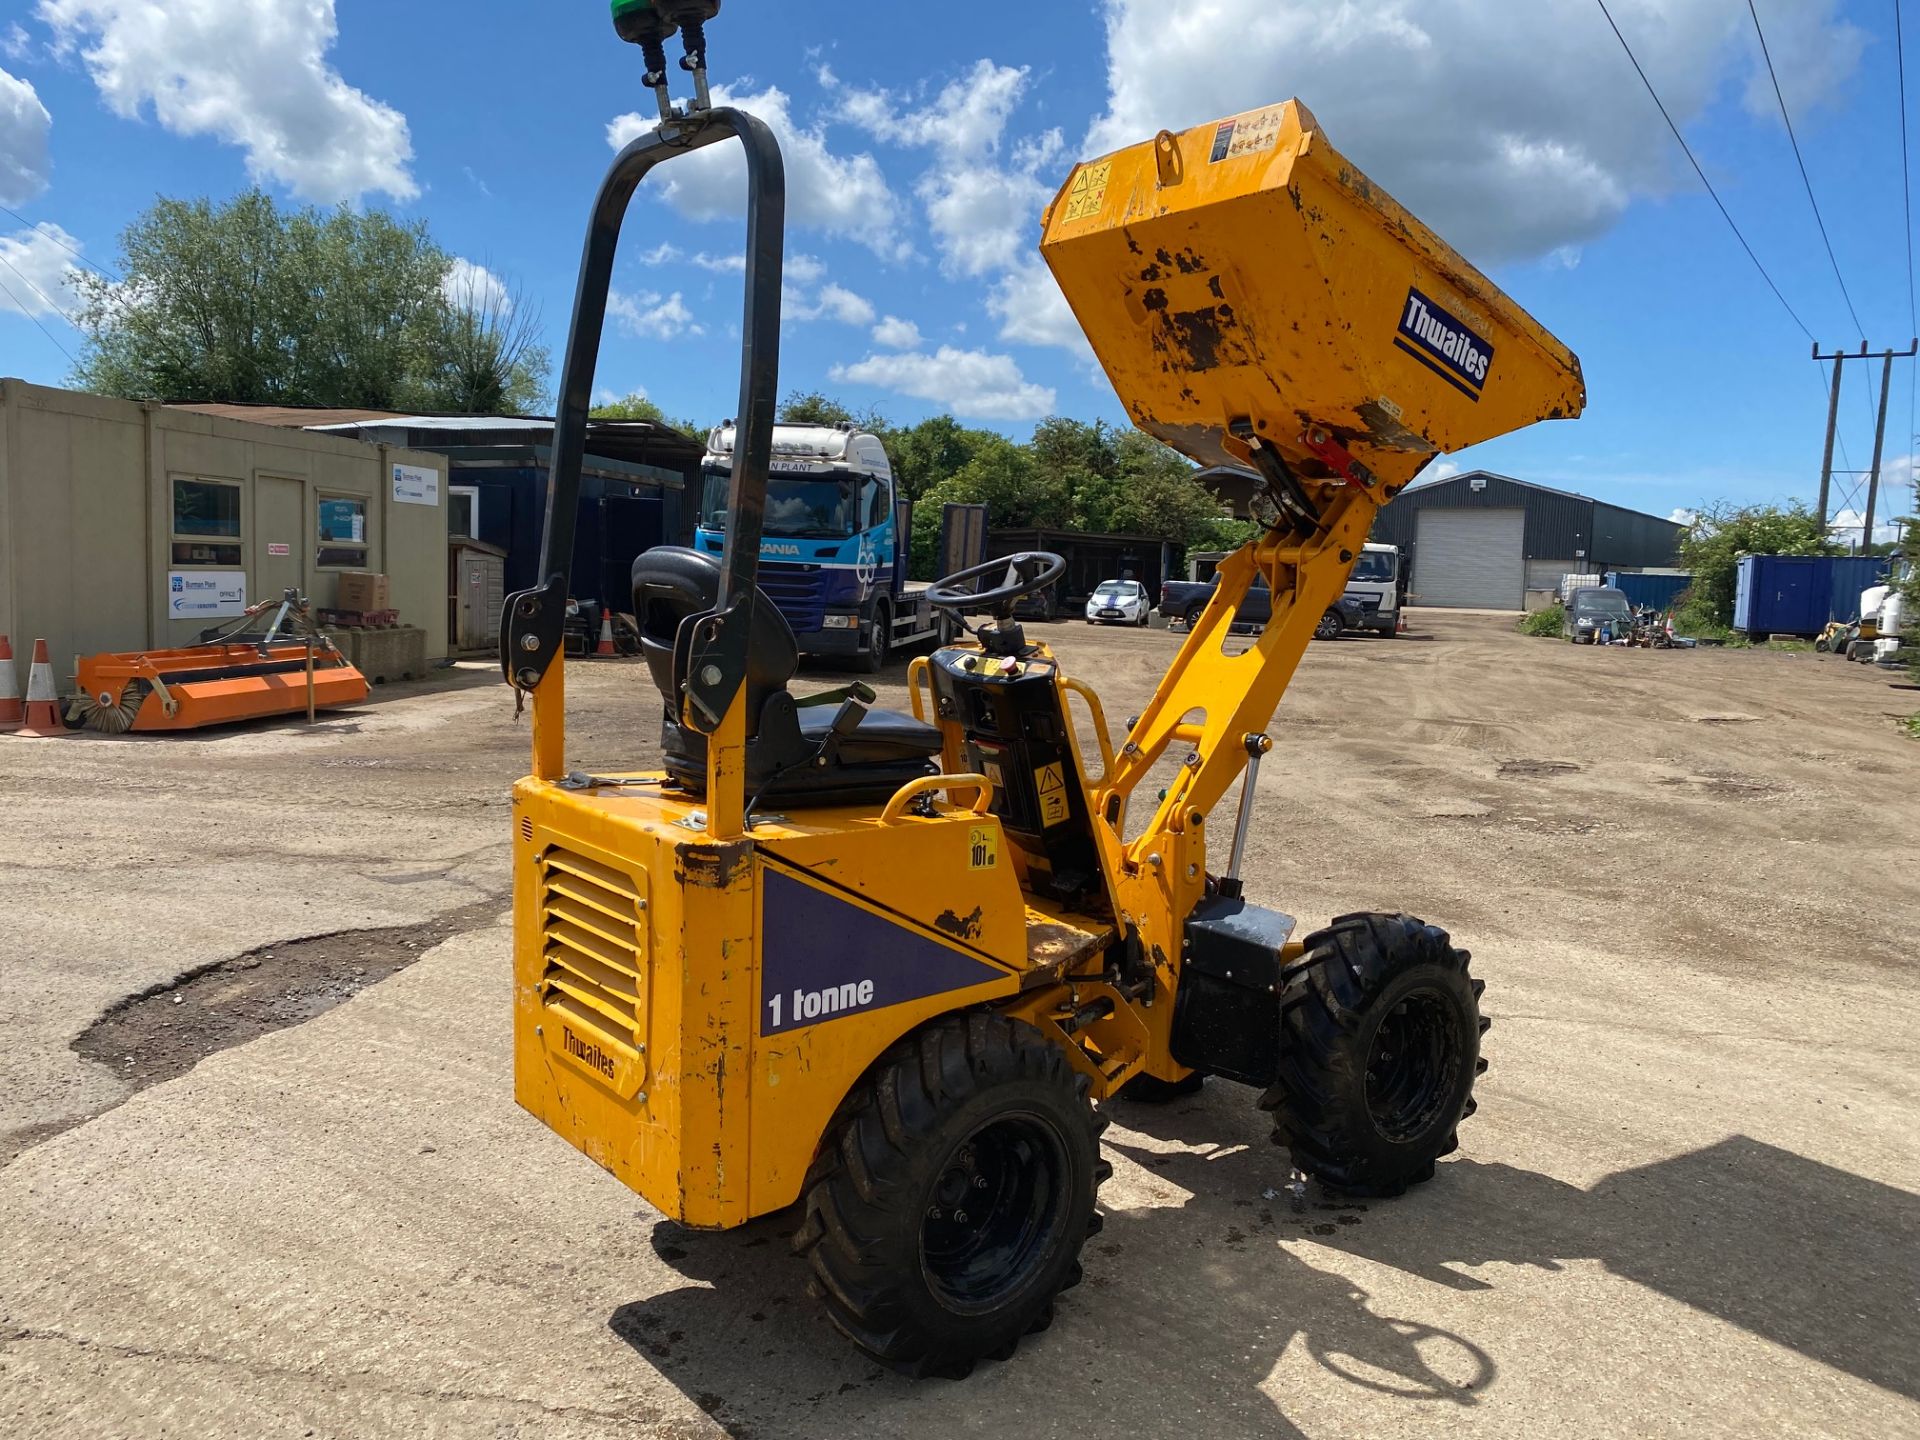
[{"x": 1188, "y": 1308}]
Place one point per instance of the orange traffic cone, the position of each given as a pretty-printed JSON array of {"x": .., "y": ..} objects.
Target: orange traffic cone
[
  {"x": 43, "y": 704},
  {"x": 10, "y": 711},
  {"x": 1400, "y": 624},
  {"x": 605, "y": 646}
]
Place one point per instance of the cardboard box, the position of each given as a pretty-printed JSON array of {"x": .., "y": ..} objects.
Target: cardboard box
[{"x": 363, "y": 591}]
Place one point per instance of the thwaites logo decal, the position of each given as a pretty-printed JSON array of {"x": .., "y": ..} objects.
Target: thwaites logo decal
[
  {"x": 1444, "y": 344},
  {"x": 825, "y": 958}
]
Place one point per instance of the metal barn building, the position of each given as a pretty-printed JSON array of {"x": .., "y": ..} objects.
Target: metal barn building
[{"x": 1482, "y": 541}]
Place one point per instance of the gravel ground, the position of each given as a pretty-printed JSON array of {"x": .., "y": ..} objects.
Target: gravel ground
[{"x": 1686, "y": 1206}]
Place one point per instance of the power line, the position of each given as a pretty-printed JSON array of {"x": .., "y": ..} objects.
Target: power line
[
  {"x": 21, "y": 307},
  {"x": 1801, "y": 162},
  {"x": 45, "y": 298},
  {"x": 44, "y": 234},
  {"x": 1688, "y": 151}
]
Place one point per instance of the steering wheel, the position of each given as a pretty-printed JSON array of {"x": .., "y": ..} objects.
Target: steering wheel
[{"x": 1027, "y": 573}]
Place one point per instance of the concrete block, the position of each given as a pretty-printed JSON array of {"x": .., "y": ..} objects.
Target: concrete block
[{"x": 383, "y": 655}]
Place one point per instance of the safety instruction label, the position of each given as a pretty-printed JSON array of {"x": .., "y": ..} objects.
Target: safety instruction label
[
  {"x": 1246, "y": 134},
  {"x": 983, "y": 847},
  {"x": 1051, "y": 783},
  {"x": 1089, "y": 191}
]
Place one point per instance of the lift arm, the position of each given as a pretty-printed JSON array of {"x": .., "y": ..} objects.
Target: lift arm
[{"x": 1265, "y": 309}]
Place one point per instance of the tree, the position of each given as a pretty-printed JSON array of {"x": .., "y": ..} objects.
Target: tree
[
  {"x": 810, "y": 407},
  {"x": 491, "y": 361},
  {"x": 1721, "y": 534},
  {"x": 636, "y": 406},
  {"x": 245, "y": 302},
  {"x": 935, "y": 450}
]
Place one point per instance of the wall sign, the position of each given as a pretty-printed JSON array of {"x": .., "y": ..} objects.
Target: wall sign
[
  {"x": 416, "y": 485},
  {"x": 274, "y": 548},
  {"x": 206, "y": 594}
]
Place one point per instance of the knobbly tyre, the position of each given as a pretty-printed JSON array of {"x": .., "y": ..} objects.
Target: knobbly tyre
[{"x": 882, "y": 969}]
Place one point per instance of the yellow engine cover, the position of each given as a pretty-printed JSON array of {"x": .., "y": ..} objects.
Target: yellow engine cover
[
  {"x": 1245, "y": 269},
  {"x": 691, "y": 1014}
]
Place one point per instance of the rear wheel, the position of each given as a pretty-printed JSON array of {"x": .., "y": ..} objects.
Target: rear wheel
[
  {"x": 951, "y": 1197},
  {"x": 1380, "y": 1046}
]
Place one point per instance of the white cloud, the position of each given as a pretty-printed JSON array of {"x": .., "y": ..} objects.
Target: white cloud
[
  {"x": 24, "y": 123},
  {"x": 35, "y": 266},
  {"x": 652, "y": 316},
  {"x": 982, "y": 214},
  {"x": 722, "y": 264},
  {"x": 969, "y": 383},
  {"x": 967, "y": 117},
  {"x": 1845, "y": 525},
  {"x": 1681, "y": 515},
  {"x": 845, "y": 195},
  {"x": 1515, "y": 128},
  {"x": 250, "y": 74},
  {"x": 16, "y": 44},
  {"x": 831, "y": 302},
  {"x": 893, "y": 333},
  {"x": 474, "y": 287},
  {"x": 1032, "y": 311},
  {"x": 665, "y": 253}
]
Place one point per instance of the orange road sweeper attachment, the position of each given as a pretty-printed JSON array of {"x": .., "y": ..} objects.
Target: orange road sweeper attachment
[{"x": 235, "y": 676}]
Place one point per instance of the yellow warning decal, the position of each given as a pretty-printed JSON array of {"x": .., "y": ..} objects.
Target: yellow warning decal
[
  {"x": 1051, "y": 783},
  {"x": 983, "y": 847},
  {"x": 1089, "y": 191}
]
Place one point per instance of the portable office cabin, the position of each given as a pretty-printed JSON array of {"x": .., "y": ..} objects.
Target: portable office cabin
[{"x": 129, "y": 526}]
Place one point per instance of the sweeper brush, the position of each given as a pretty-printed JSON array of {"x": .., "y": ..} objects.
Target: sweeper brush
[{"x": 288, "y": 667}]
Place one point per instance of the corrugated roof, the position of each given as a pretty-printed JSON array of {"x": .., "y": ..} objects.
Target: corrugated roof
[
  {"x": 287, "y": 417},
  {"x": 1534, "y": 485}
]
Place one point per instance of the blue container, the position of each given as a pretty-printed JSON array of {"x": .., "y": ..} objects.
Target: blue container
[
  {"x": 1799, "y": 594},
  {"x": 1851, "y": 575},
  {"x": 1659, "y": 591}
]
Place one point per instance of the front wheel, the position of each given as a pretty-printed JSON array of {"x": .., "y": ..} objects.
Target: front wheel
[
  {"x": 1379, "y": 1049},
  {"x": 879, "y": 642},
  {"x": 952, "y": 1195},
  {"x": 1329, "y": 627}
]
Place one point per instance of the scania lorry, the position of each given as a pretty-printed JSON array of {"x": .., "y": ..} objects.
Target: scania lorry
[{"x": 833, "y": 553}]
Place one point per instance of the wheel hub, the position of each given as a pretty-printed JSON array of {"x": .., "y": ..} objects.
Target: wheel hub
[
  {"x": 994, "y": 1210},
  {"x": 1412, "y": 1067}
]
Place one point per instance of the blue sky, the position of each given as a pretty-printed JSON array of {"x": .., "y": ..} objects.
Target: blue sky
[{"x": 923, "y": 141}]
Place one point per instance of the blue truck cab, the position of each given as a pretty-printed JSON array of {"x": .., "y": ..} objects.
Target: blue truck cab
[{"x": 833, "y": 553}]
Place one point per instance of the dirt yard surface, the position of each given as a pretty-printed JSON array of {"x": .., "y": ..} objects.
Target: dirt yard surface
[{"x": 261, "y": 1173}]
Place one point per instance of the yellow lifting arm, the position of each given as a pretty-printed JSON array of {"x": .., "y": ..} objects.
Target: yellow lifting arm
[{"x": 1265, "y": 309}]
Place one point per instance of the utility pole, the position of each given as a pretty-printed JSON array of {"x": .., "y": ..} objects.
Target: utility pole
[
  {"x": 1879, "y": 443},
  {"x": 1839, "y": 359}
]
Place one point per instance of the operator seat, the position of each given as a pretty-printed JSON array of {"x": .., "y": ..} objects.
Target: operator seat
[{"x": 784, "y": 735}]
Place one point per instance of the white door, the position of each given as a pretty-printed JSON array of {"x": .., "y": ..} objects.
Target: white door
[{"x": 1470, "y": 559}]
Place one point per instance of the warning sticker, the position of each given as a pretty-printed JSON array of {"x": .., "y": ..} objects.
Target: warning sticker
[
  {"x": 1051, "y": 783},
  {"x": 1089, "y": 191},
  {"x": 983, "y": 848},
  {"x": 1246, "y": 134}
]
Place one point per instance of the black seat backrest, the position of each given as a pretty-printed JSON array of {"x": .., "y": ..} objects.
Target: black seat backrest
[{"x": 672, "y": 583}]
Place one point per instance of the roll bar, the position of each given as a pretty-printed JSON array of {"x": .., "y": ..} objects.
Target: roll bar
[{"x": 533, "y": 622}]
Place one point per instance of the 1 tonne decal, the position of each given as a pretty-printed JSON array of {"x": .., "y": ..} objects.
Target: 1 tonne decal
[{"x": 825, "y": 958}]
